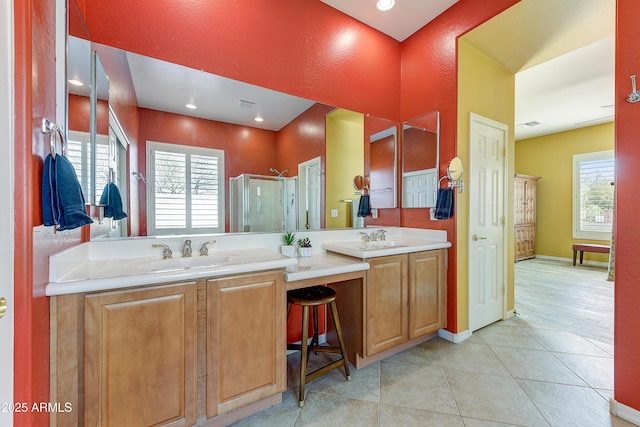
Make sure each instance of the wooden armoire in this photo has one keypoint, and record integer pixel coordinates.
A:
(525, 216)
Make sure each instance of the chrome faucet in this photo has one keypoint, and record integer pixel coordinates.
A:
(204, 249)
(380, 234)
(166, 252)
(186, 249)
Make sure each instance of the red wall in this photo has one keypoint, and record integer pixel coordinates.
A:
(246, 149)
(304, 139)
(300, 54)
(419, 149)
(301, 47)
(429, 83)
(79, 113)
(627, 284)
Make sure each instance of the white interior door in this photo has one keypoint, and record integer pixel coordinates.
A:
(309, 194)
(6, 215)
(487, 145)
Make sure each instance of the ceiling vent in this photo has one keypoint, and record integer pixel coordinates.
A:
(529, 124)
(245, 105)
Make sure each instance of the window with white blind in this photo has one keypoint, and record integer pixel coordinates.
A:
(79, 154)
(186, 189)
(593, 175)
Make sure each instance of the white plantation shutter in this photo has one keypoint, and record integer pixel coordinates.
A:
(79, 154)
(593, 174)
(186, 192)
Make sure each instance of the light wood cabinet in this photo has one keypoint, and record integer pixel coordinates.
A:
(140, 357)
(246, 346)
(207, 351)
(525, 216)
(405, 299)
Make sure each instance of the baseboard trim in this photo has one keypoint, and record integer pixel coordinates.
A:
(625, 412)
(585, 262)
(454, 338)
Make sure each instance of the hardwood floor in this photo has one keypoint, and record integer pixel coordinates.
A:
(578, 299)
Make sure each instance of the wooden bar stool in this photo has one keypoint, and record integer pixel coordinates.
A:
(313, 297)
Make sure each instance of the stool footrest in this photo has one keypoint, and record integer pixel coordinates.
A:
(318, 372)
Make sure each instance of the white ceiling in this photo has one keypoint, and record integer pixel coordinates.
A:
(562, 52)
(407, 17)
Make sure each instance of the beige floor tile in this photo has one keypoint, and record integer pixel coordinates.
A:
(364, 384)
(596, 371)
(476, 358)
(565, 405)
(509, 336)
(327, 410)
(565, 342)
(493, 398)
(472, 422)
(423, 354)
(282, 415)
(604, 346)
(536, 365)
(415, 386)
(396, 416)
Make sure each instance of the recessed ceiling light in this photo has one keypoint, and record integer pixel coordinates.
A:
(259, 119)
(384, 5)
(75, 82)
(191, 106)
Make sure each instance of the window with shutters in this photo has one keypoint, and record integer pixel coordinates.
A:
(186, 189)
(79, 154)
(593, 175)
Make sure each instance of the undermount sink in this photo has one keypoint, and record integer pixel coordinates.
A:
(185, 263)
(378, 244)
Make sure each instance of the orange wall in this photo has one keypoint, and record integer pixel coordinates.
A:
(627, 289)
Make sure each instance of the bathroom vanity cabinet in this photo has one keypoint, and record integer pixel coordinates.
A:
(405, 298)
(179, 354)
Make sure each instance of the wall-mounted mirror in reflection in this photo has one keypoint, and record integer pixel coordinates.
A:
(420, 159)
(382, 163)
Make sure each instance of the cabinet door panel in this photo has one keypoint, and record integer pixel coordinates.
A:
(386, 303)
(140, 358)
(427, 299)
(246, 345)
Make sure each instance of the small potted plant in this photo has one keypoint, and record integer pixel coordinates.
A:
(288, 247)
(304, 247)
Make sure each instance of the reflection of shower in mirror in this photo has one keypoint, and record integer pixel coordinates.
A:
(274, 170)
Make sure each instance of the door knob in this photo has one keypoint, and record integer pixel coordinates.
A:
(3, 306)
(476, 238)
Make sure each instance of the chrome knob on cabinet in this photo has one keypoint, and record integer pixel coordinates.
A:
(476, 238)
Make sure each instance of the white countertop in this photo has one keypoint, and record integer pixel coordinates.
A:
(364, 250)
(98, 275)
(321, 265)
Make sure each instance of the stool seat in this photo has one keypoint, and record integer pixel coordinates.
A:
(313, 297)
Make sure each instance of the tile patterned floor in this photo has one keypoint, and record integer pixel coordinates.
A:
(519, 372)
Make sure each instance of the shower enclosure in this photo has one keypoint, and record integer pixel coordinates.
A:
(262, 203)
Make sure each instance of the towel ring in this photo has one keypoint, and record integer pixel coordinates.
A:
(53, 130)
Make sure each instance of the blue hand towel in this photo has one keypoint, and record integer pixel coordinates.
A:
(364, 208)
(50, 207)
(444, 204)
(112, 202)
(62, 199)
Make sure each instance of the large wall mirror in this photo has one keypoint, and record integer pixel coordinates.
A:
(273, 173)
(420, 160)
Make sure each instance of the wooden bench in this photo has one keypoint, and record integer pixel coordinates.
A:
(588, 247)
